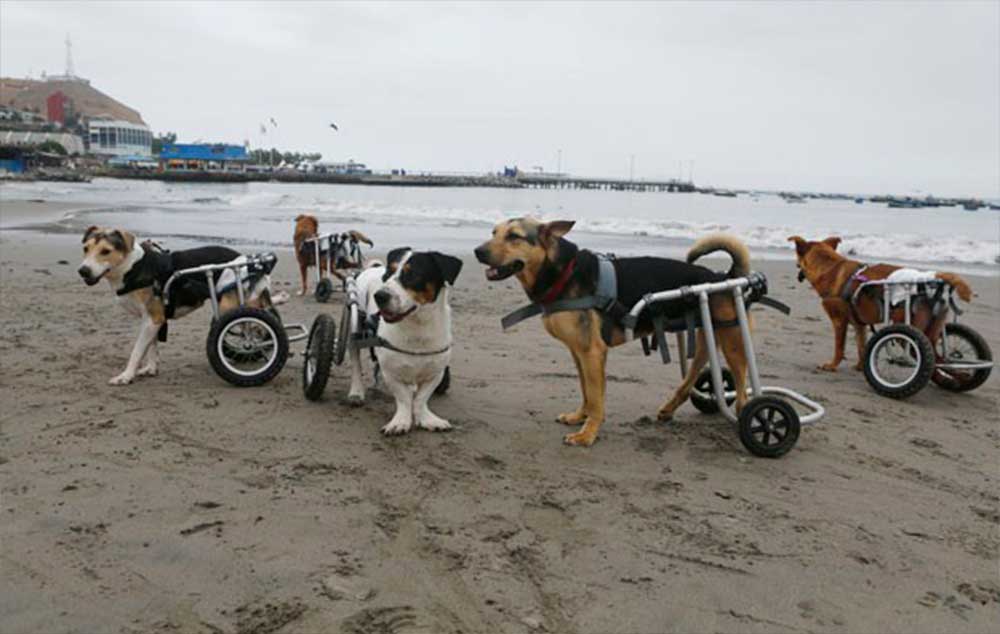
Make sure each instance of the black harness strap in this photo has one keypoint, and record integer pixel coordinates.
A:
(375, 341)
(604, 299)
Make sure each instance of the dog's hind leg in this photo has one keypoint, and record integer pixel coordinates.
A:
(422, 415)
(731, 342)
(666, 412)
(593, 361)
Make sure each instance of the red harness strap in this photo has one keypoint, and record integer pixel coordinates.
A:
(553, 293)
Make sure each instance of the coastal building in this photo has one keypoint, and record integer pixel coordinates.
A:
(204, 157)
(116, 137)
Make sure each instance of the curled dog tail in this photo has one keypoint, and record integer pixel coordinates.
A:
(961, 286)
(723, 242)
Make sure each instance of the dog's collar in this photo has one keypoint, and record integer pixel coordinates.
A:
(557, 288)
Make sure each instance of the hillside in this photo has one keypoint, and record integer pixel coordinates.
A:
(30, 94)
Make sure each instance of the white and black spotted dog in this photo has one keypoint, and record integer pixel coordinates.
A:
(410, 294)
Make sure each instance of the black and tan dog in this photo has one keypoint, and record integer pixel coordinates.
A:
(551, 268)
(137, 273)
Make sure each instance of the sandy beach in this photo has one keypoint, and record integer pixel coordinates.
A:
(182, 504)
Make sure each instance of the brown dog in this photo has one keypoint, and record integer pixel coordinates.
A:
(551, 268)
(307, 226)
(833, 277)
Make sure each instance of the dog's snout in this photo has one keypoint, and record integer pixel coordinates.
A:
(482, 253)
(382, 297)
(84, 272)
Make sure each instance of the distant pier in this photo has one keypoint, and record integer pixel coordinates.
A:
(519, 181)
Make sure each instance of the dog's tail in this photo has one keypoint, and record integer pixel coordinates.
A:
(723, 242)
(360, 237)
(961, 286)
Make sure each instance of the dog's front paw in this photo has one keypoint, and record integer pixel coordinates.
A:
(149, 370)
(122, 379)
(829, 367)
(355, 400)
(580, 439)
(572, 418)
(396, 426)
(434, 423)
(664, 415)
(301, 293)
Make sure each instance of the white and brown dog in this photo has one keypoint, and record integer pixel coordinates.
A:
(410, 294)
(137, 273)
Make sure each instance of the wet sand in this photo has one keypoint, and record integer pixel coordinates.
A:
(181, 504)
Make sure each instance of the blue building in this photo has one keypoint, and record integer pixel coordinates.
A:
(204, 156)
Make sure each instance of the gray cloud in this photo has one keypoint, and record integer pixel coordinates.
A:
(847, 96)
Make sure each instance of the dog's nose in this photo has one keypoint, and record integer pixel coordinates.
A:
(84, 272)
(482, 254)
(382, 298)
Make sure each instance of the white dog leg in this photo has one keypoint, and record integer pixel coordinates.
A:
(402, 420)
(423, 416)
(356, 395)
(147, 334)
(152, 361)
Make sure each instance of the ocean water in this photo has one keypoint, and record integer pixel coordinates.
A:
(260, 215)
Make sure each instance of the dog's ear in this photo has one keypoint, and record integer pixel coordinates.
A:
(91, 230)
(449, 265)
(833, 242)
(299, 217)
(552, 231)
(801, 246)
(122, 240)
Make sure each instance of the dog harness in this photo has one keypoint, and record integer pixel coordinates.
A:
(368, 339)
(604, 299)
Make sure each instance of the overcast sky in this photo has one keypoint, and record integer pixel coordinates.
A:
(874, 97)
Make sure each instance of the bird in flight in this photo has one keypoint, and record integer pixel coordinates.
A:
(334, 126)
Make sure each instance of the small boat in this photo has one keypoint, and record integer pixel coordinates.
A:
(859, 200)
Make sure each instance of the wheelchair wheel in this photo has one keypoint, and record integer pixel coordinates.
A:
(707, 404)
(899, 361)
(247, 346)
(769, 427)
(343, 335)
(445, 383)
(964, 345)
(318, 357)
(324, 289)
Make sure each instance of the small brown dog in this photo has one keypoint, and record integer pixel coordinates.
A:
(307, 226)
(834, 278)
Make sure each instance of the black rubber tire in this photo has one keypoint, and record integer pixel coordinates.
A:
(703, 383)
(925, 364)
(324, 290)
(266, 319)
(343, 336)
(319, 351)
(757, 414)
(445, 383)
(964, 381)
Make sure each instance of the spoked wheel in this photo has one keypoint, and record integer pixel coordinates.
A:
(899, 361)
(318, 357)
(703, 385)
(769, 427)
(343, 335)
(445, 382)
(247, 346)
(324, 289)
(960, 345)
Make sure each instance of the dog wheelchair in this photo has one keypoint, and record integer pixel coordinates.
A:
(900, 360)
(767, 425)
(246, 346)
(336, 247)
(328, 346)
